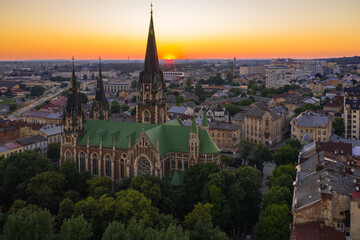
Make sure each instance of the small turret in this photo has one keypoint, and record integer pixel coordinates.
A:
(194, 143)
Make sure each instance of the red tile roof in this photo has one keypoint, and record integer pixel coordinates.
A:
(355, 195)
(12, 145)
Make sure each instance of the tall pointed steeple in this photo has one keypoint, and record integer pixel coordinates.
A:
(151, 64)
(100, 108)
(74, 119)
(100, 93)
(151, 106)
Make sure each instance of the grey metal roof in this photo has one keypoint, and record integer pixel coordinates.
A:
(311, 119)
(3, 149)
(254, 112)
(31, 140)
(239, 116)
(177, 109)
(50, 130)
(223, 126)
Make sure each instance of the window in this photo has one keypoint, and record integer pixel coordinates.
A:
(146, 116)
(143, 167)
(172, 164)
(108, 165)
(82, 161)
(68, 156)
(186, 164)
(95, 164)
(311, 131)
(179, 164)
(122, 168)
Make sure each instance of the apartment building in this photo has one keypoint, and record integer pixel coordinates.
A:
(318, 126)
(352, 112)
(225, 135)
(265, 126)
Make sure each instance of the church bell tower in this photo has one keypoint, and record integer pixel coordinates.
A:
(151, 105)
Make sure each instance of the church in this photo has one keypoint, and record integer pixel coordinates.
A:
(149, 146)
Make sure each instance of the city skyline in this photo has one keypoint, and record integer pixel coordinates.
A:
(185, 30)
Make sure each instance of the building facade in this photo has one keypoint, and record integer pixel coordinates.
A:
(318, 126)
(352, 112)
(148, 146)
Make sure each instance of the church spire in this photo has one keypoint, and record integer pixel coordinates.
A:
(73, 83)
(151, 58)
(100, 93)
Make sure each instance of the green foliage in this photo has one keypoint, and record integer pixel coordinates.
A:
(54, 152)
(75, 228)
(46, 190)
(37, 90)
(226, 160)
(339, 126)
(235, 91)
(232, 109)
(295, 143)
(246, 102)
(274, 223)
(245, 149)
(199, 89)
(16, 171)
(305, 107)
(27, 224)
(179, 99)
(288, 169)
(66, 210)
(99, 186)
(216, 80)
(188, 86)
(114, 231)
(133, 84)
(261, 154)
(124, 107)
(40, 106)
(133, 111)
(221, 209)
(115, 107)
(206, 231)
(285, 155)
(200, 214)
(277, 195)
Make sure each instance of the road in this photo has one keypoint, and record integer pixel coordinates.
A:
(33, 104)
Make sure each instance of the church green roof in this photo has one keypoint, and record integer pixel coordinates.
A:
(175, 180)
(172, 138)
(205, 122)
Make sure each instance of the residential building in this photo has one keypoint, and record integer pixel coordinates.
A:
(179, 111)
(9, 148)
(252, 70)
(278, 77)
(318, 126)
(226, 136)
(116, 87)
(352, 112)
(36, 143)
(265, 126)
(52, 133)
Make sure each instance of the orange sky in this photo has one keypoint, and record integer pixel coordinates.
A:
(116, 29)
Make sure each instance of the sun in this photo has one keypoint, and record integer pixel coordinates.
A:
(169, 57)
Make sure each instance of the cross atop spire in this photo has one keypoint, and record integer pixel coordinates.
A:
(151, 8)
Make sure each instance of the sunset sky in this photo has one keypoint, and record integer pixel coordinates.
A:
(116, 29)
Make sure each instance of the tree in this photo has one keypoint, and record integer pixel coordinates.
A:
(200, 214)
(245, 149)
(28, 224)
(226, 160)
(16, 171)
(261, 154)
(199, 89)
(114, 231)
(206, 231)
(46, 190)
(54, 152)
(188, 84)
(115, 107)
(37, 90)
(75, 228)
(221, 211)
(339, 126)
(245, 102)
(274, 223)
(232, 109)
(99, 186)
(66, 210)
(277, 195)
(295, 143)
(285, 155)
(83, 97)
(133, 84)
(13, 107)
(124, 107)
(179, 99)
